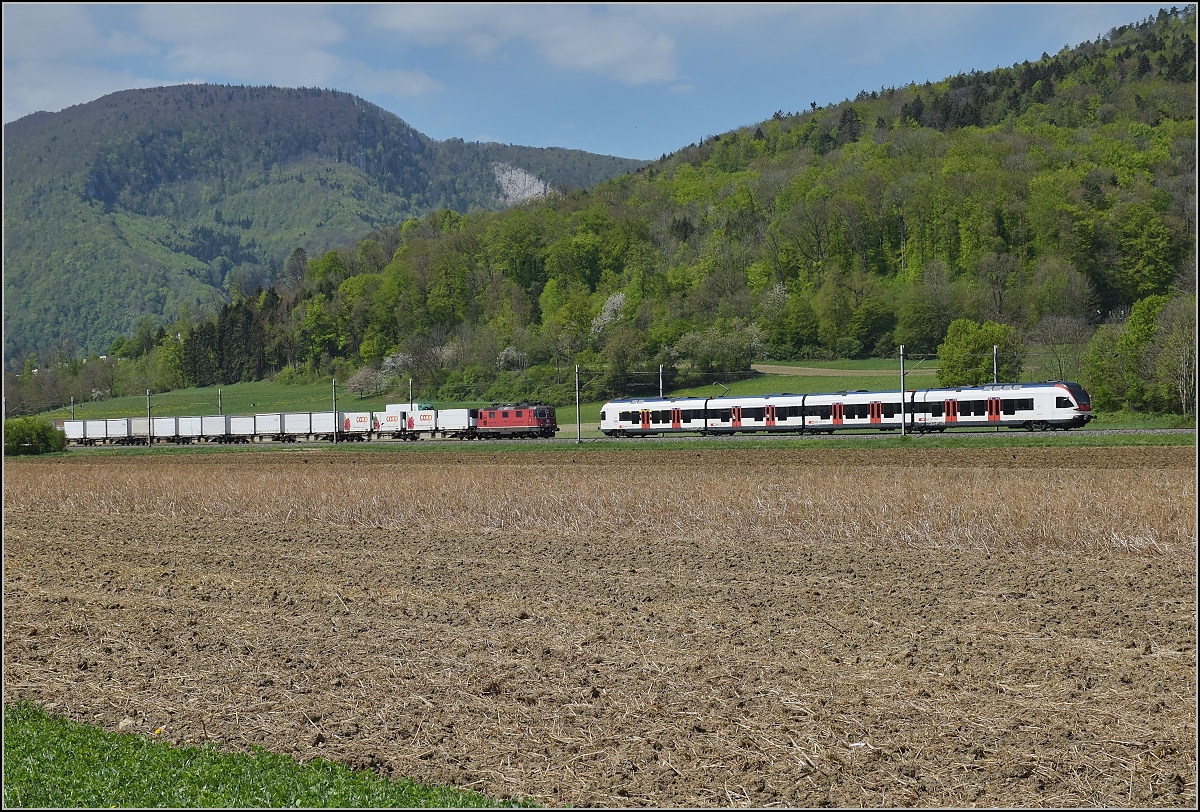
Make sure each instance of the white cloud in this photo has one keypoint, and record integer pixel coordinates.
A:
(612, 43)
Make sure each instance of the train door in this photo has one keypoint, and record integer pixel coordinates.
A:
(876, 412)
(993, 410)
(839, 414)
(770, 417)
(735, 418)
(951, 412)
(645, 420)
(676, 418)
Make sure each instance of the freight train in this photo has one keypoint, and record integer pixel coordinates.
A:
(398, 421)
(1051, 405)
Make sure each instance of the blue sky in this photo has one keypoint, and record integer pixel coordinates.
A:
(632, 80)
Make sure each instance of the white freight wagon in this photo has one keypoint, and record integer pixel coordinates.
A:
(390, 423)
(423, 422)
(215, 427)
(117, 429)
(324, 424)
(166, 429)
(190, 428)
(139, 429)
(297, 424)
(268, 425)
(241, 428)
(74, 429)
(96, 430)
(455, 422)
(357, 424)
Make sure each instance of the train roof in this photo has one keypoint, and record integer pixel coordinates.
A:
(717, 399)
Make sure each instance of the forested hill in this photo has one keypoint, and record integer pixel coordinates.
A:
(1048, 208)
(147, 202)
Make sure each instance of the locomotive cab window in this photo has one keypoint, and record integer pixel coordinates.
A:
(1063, 403)
(601, 415)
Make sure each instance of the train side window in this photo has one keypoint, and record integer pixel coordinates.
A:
(1009, 406)
(1062, 403)
(504, 414)
(491, 414)
(520, 413)
(1025, 404)
(890, 409)
(935, 410)
(825, 412)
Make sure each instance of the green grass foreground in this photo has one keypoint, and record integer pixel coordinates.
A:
(50, 762)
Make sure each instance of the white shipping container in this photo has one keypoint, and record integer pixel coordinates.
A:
(356, 422)
(166, 426)
(268, 424)
(241, 425)
(117, 427)
(390, 422)
(73, 429)
(297, 423)
(191, 427)
(139, 427)
(454, 419)
(324, 422)
(95, 429)
(424, 421)
(405, 408)
(215, 425)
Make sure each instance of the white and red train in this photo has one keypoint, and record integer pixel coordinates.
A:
(398, 421)
(1030, 406)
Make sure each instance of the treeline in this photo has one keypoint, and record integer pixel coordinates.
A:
(1053, 201)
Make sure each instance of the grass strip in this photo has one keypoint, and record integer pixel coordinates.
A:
(50, 762)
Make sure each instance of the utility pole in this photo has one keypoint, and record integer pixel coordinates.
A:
(219, 409)
(995, 365)
(660, 390)
(409, 395)
(578, 429)
(149, 422)
(902, 392)
(335, 419)
(72, 407)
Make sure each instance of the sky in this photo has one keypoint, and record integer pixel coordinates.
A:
(637, 80)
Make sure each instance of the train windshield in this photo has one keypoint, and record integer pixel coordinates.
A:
(1079, 393)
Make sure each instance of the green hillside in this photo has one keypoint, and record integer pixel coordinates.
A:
(162, 202)
(1047, 209)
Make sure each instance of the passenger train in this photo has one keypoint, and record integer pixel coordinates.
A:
(1031, 406)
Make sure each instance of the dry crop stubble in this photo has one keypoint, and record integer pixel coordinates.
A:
(679, 628)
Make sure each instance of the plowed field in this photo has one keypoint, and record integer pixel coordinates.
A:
(660, 628)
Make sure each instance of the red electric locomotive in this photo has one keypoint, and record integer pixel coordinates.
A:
(515, 420)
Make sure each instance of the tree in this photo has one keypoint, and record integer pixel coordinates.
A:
(965, 357)
(1174, 351)
(1062, 341)
(367, 379)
